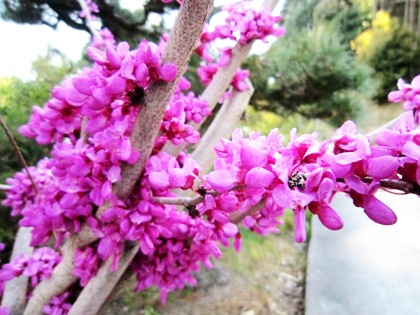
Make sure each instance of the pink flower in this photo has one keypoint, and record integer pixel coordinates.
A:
(221, 180)
(258, 177)
(377, 211)
(58, 305)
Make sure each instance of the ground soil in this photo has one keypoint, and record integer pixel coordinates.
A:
(266, 278)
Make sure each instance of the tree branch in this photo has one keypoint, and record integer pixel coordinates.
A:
(371, 135)
(181, 201)
(14, 296)
(222, 126)
(182, 40)
(100, 287)
(4, 187)
(407, 187)
(18, 152)
(221, 80)
(184, 35)
(88, 18)
(62, 277)
(224, 76)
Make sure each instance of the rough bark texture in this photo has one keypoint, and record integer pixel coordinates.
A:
(183, 38)
(62, 277)
(99, 288)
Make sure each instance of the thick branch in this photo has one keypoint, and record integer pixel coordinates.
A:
(222, 126)
(62, 277)
(221, 80)
(14, 296)
(184, 35)
(182, 40)
(100, 287)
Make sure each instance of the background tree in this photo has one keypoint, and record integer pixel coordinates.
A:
(124, 24)
(312, 71)
(390, 47)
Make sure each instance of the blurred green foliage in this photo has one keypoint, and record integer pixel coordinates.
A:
(398, 57)
(391, 49)
(312, 71)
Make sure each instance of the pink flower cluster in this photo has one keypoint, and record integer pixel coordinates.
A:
(37, 267)
(58, 305)
(86, 264)
(409, 94)
(243, 24)
(92, 9)
(182, 110)
(106, 94)
(90, 118)
(306, 174)
(81, 172)
(172, 242)
(86, 157)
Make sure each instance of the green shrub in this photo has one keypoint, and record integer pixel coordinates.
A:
(311, 73)
(398, 58)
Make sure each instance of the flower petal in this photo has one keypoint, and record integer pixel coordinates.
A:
(379, 212)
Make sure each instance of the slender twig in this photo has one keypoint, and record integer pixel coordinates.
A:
(83, 133)
(181, 201)
(398, 184)
(238, 216)
(4, 187)
(407, 187)
(387, 125)
(18, 152)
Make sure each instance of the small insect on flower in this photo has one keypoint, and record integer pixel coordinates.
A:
(136, 96)
(192, 211)
(298, 179)
(202, 191)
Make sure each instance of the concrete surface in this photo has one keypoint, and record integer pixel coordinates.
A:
(366, 268)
